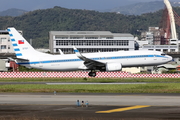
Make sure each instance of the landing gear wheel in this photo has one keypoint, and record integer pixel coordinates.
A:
(92, 74)
(155, 68)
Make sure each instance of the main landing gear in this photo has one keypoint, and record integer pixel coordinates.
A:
(92, 74)
(155, 68)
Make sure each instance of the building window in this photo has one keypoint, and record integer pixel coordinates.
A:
(158, 49)
(92, 42)
(165, 50)
(89, 50)
(57, 50)
(172, 50)
(3, 46)
(3, 39)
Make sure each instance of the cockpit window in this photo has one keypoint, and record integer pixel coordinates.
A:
(163, 54)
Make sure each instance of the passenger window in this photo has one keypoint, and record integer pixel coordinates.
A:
(163, 54)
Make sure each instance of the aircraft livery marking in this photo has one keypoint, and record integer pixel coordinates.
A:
(15, 45)
(17, 49)
(105, 58)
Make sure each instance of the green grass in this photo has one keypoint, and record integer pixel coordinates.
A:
(99, 80)
(172, 85)
(137, 88)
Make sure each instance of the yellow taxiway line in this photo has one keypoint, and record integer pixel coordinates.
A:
(124, 109)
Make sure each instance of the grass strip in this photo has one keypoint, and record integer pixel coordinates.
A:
(98, 80)
(137, 88)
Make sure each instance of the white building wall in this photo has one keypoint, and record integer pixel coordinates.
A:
(5, 44)
(89, 41)
(163, 48)
(150, 37)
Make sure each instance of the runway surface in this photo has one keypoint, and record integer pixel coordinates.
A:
(101, 106)
(94, 99)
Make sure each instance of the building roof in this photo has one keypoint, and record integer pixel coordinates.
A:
(4, 32)
(107, 33)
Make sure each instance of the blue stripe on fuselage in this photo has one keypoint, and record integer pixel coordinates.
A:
(13, 40)
(15, 45)
(17, 49)
(99, 58)
(18, 54)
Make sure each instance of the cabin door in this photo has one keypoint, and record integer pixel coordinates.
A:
(40, 63)
(154, 57)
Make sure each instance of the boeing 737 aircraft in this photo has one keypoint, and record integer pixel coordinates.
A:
(103, 61)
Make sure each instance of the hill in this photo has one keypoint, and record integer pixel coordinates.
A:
(37, 24)
(13, 12)
(133, 9)
(142, 7)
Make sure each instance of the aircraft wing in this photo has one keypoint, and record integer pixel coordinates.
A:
(89, 63)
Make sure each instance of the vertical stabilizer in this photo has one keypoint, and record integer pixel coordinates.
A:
(21, 47)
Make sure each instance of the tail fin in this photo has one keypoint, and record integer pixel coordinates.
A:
(22, 48)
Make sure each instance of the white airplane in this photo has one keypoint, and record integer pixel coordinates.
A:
(103, 61)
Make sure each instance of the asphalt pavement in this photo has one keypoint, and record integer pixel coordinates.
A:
(50, 106)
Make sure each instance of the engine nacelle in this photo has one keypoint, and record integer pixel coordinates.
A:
(113, 67)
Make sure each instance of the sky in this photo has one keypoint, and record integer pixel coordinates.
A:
(31, 5)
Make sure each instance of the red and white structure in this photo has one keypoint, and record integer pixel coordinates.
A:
(172, 20)
(81, 74)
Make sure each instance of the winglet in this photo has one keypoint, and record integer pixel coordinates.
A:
(75, 49)
(77, 52)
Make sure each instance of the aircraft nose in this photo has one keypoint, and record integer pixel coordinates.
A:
(170, 58)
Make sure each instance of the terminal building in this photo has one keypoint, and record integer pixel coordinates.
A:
(90, 41)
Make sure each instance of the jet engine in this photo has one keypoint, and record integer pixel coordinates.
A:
(113, 67)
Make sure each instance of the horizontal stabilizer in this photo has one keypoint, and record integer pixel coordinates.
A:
(22, 59)
(11, 59)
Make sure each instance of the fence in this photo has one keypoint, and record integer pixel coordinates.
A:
(82, 75)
